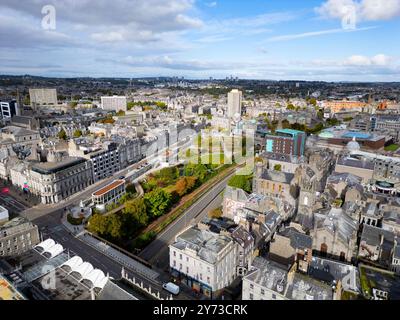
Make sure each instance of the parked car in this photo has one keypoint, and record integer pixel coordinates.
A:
(171, 288)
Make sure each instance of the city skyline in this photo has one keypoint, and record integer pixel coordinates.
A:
(285, 40)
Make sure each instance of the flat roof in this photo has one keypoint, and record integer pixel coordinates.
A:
(109, 187)
(67, 287)
(289, 131)
(53, 167)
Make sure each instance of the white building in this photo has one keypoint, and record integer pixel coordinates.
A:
(234, 103)
(203, 260)
(109, 194)
(3, 215)
(115, 103)
(55, 181)
(43, 96)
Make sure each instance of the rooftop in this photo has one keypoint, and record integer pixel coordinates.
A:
(66, 287)
(15, 225)
(109, 187)
(53, 167)
(306, 288)
(17, 131)
(277, 176)
(207, 244)
(268, 274)
(289, 131)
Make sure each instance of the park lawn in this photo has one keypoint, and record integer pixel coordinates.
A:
(393, 147)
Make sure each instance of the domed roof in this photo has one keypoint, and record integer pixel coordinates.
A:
(353, 145)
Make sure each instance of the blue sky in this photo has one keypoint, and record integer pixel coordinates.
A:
(256, 39)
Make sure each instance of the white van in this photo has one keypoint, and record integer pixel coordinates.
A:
(172, 288)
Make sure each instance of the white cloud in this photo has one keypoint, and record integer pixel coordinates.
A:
(112, 21)
(359, 60)
(211, 4)
(364, 10)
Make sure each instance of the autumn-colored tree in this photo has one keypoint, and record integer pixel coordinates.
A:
(184, 185)
(216, 213)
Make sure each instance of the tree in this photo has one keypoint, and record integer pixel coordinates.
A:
(313, 102)
(97, 224)
(278, 167)
(290, 106)
(130, 188)
(184, 185)
(197, 170)
(78, 133)
(168, 175)
(241, 182)
(114, 226)
(136, 210)
(73, 104)
(285, 124)
(120, 113)
(216, 213)
(157, 202)
(62, 135)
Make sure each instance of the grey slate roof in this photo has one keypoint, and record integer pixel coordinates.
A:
(268, 274)
(283, 177)
(372, 235)
(207, 244)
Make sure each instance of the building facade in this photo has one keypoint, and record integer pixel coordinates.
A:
(234, 103)
(17, 236)
(203, 260)
(111, 193)
(55, 181)
(9, 109)
(43, 96)
(115, 103)
(287, 142)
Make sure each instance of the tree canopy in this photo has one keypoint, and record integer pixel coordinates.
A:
(241, 182)
(157, 202)
(78, 133)
(62, 135)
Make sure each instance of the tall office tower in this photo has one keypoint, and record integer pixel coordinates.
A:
(115, 103)
(234, 103)
(9, 109)
(43, 96)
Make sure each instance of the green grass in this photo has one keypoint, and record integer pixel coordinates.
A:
(392, 147)
(365, 283)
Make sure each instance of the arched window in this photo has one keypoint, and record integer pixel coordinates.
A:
(324, 249)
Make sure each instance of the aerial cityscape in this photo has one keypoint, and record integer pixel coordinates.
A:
(188, 150)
